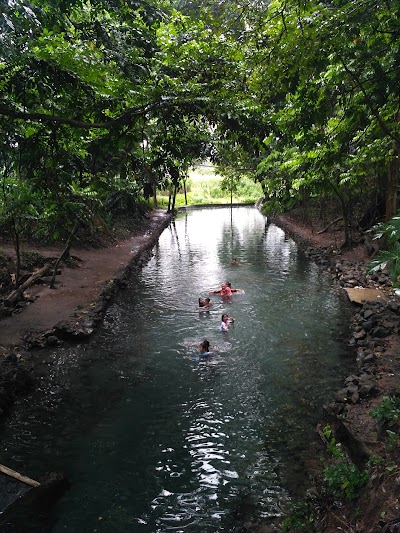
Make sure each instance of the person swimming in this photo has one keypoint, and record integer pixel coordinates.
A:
(226, 321)
(204, 304)
(229, 284)
(204, 349)
(225, 290)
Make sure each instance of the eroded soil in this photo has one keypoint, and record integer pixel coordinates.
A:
(79, 285)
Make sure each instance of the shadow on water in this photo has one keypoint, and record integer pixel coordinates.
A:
(153, 439)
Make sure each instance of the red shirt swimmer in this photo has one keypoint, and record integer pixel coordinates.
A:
(225, 290)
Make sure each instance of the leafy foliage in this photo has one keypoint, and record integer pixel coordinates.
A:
(342, 478)
(345, 479)
(388, 411)
(113, 96)
(389, 258)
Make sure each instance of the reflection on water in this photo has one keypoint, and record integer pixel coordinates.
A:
(153, 439)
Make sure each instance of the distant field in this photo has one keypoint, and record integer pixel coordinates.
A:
(204, 186)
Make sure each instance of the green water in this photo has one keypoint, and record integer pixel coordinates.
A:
(152, 439)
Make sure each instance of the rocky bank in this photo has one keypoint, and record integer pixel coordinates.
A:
(368, 443)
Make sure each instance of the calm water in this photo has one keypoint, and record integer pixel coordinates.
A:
(154, 440)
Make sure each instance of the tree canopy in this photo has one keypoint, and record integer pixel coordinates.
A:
(108, 99)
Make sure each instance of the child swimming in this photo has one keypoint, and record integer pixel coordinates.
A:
(226, 321)
(204, 348)
(204, 304)
(225, 290)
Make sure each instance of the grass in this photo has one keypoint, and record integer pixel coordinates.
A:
(204, 186)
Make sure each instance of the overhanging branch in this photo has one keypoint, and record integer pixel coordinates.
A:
(125, 118)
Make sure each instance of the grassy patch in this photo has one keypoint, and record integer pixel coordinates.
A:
(204, 187)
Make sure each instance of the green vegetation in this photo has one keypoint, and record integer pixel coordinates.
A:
(203, 186)
(389, 258)
(344, 479)
(341, 480)
(104, 103)
(341, 477)
(388, 412)
(301, 517)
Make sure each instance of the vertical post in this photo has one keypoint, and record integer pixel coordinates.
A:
(184, 190)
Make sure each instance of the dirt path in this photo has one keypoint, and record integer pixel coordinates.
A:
(78, 289)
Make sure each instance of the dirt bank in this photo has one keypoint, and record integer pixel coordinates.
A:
(72, 310)
(365, 440)
(81, 290)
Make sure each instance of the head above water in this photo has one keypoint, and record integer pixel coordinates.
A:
(204, 346)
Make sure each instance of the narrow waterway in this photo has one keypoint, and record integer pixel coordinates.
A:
(151, 438)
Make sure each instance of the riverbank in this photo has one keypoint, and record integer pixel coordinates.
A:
(71, 311)
(368, 447)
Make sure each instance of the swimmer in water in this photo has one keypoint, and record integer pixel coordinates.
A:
(225, 290)
(204, 349)
(234, 261)
(226, 321)
(204, 304)
(229, 284)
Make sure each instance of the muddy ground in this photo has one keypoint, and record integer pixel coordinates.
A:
(85, 287)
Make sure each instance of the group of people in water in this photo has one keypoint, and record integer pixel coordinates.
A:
(225, 291)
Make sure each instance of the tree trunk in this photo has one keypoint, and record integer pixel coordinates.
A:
(392, 184)
(64, 254)
(174, 198)
(17, 295)
(347, 237)
(184, 190)
(17, 255)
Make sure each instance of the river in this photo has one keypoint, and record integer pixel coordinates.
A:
(154, 440)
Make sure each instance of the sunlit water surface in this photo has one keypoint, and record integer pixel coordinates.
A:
(152, 439)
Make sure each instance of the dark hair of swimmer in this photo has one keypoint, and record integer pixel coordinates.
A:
(205, 345)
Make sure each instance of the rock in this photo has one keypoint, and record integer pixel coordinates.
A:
(358, 450)
(355, 397)
(360, 335)
(367, 389)
(368, 325)
(52, 340)
(380, 332)
(341, 396)
(369, 358)
(352, 379)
